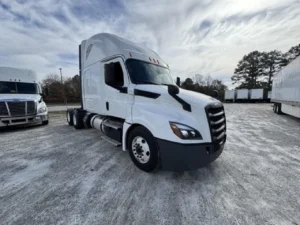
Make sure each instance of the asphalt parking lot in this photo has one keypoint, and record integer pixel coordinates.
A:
(57, 175)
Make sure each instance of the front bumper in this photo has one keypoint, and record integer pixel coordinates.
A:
(22, 120)
(183, 157)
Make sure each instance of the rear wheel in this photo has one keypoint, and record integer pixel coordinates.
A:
(69, 115)
(77, 119)
(45, 122)
(275, 108)
(87, 120)
(143, 149)
(279, 108)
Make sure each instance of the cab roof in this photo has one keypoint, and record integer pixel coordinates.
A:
(18, 75)
(104, 46)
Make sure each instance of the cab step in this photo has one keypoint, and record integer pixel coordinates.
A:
(112, 141)
(117, 125)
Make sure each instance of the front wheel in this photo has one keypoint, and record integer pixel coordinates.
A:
(143, 149)
(45, 122)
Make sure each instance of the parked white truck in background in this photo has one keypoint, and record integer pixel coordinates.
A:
(230, 95)
(242, 95)
(129, 95)
(286, 89)
(20, 98)
(245, 95)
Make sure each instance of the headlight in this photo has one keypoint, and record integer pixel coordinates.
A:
(42, 109)
(185, 132)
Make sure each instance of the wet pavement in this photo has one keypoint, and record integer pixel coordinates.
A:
(58, 175)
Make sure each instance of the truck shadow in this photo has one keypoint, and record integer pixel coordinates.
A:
(18, 128)
(202, 174)
(292, 118)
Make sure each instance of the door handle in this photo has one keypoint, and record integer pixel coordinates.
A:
(107, 106)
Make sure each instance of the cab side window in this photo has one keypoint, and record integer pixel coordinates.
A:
(113, 74)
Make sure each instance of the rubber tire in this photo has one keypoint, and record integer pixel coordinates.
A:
(279, 112)
(87, 120)
(153, 162)
(79, 119)
(46, 122)
(70, 112)
(275, 108)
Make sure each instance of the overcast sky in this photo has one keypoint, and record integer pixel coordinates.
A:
(193, 36)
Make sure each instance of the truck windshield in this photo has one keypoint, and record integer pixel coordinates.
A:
(18, 88)
(146, 73)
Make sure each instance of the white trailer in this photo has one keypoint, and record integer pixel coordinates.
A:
(242, 95)
(269, 95)
(230, 95)
(258, 95)
(129, 95)
(286, 89)
(21, 100)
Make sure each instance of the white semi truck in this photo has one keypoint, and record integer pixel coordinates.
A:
(286, 89)
(129, 95)
(21, 100)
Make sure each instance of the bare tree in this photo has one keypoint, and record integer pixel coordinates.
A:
(55, 88)
(199, 79)
(208, 80)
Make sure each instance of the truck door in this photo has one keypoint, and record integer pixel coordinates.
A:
(116, 81)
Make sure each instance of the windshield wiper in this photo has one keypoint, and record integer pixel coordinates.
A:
(166, 84)
(149, 82)
(146, 82)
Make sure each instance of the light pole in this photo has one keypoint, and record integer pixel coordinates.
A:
(63, 88)
(61, 80)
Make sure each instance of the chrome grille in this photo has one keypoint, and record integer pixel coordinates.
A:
(10, 109)
(3, 109)
(217, 123)
(16, 108)
(30, 107)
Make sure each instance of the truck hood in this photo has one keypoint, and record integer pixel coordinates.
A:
(191, 97)
(19, 97)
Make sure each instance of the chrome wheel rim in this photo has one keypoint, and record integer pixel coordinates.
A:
(68, 117)
(74, 120)
(140, 149)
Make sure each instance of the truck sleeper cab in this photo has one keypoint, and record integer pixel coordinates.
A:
(129, 95)
(20, 98)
